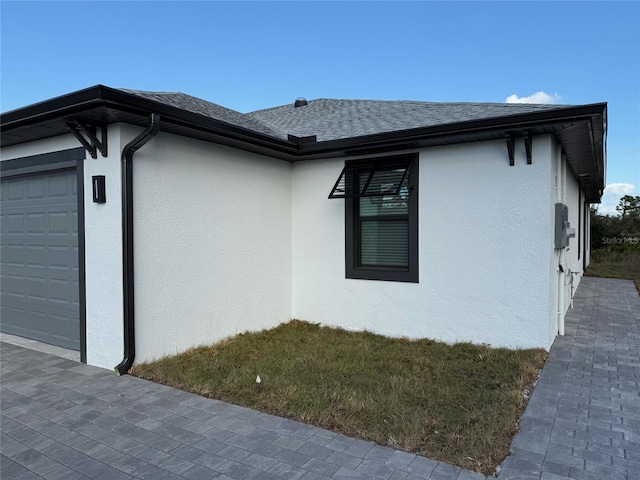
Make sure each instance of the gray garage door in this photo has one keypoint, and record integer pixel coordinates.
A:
(39, 258)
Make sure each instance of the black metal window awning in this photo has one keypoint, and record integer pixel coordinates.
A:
(377, 179)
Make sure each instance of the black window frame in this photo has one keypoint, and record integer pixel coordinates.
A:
(352, 226)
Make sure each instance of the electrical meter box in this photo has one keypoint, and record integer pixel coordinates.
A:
(563, 230)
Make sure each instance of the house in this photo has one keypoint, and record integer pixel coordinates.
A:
(138, 224)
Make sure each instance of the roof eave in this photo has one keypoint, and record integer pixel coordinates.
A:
(51, 109)
(73, 105)
(177, 120)
(506, 123)
(496, 128)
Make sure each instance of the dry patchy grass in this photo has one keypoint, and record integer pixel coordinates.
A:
(455, 403)
(615, 264)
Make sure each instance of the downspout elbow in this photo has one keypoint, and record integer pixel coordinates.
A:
(127, 241)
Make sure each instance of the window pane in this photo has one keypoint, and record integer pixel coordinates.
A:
(388, 204)
(384, 242)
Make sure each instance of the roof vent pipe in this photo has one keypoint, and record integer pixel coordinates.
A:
(300, 102)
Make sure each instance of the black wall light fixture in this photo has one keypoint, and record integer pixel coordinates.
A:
(99, 189)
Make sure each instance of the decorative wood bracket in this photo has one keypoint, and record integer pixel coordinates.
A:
(527, 146)
(87, 136)
(511, 148)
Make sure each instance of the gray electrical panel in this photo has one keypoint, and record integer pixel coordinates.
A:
(563, 230)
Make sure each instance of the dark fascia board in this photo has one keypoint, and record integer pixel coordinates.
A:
(101, 96)
(48, 109)
(505, 123)
(74, 103)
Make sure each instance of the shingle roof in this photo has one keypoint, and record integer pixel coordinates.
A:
(208, 109)
(335, 119)
(331, 119)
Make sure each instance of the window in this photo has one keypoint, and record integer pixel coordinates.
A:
(381, 212)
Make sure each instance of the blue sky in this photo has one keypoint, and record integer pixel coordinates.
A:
(248, 56)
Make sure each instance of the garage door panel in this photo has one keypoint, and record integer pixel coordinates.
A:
(36, 188)
(41, 283)
(35, 255)
(40, 287)
(59, 223)
(35, 304)
(59, 326)
(60, 187)
(15, 224)
(60, 291)
(14, 255)
(38, 323)
(36, 223)
(14, 285)
(15, 191)
(20, 324)
(63, 331)
(37, 288)
(60, 256)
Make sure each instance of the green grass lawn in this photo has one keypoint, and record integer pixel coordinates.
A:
(456, 403)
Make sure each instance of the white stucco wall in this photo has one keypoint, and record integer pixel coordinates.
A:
(212, 243)
(484, 249)
(103, 256)
(573, 254)
(562, 285)
(227, 241)
(556, 278)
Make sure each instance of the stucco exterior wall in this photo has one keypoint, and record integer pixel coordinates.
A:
(212, 243)
(103, 256)
(555, 196)
(483, 250)
(563, 283)
(573, 253)
(227, 241)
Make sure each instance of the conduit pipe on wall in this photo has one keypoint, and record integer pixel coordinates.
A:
(127, 241)
(560, 197)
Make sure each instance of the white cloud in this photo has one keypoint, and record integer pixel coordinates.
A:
(612, 195)
(538, 97)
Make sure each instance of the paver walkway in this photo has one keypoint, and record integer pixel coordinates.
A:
(63, 420)
(583, 419)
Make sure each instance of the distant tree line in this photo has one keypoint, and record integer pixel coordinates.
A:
(617, 232)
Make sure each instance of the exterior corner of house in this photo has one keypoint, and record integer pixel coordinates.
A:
(103, 257)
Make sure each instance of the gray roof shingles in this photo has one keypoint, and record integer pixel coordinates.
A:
(331, 119)
(207, 109)
(335, 119)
